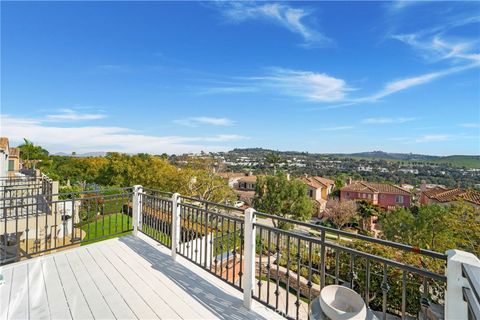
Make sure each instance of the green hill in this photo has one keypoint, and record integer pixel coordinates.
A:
(461, 161)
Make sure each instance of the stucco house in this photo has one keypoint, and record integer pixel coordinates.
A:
(318, 189)
(247, 183)
(386, 196)
(9, 158)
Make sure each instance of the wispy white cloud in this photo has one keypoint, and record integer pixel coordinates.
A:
(338, 128)
(291, 18)
(385, 120)
(196, 121)
(435, 138)
(227, 90)
(73, 115)
(436, 48)
(107, 138)
(406, 83)
(309, 85)
(470, 125)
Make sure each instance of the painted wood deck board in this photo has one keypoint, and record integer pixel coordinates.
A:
(123, 278)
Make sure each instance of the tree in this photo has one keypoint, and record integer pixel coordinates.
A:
(340, 212)
(434, 227)
(273, 159)
(277, 195)
(366, 210)
(30, 152)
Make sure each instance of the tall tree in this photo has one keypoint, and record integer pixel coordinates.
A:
(31, 154)
(273, 159)
(366, 210)
(277, 195)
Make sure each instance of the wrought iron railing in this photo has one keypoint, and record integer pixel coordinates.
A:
(290, 266)
(293, 265)
(29, 227)
(301, 264)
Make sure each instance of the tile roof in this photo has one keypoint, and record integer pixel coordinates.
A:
(248, 179)
(317, 182)
(227, 175)
(372, 187)
(4, 143)
(472, 196)
(14, 152)
(448, 195)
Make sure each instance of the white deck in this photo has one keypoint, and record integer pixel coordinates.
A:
(123, 278)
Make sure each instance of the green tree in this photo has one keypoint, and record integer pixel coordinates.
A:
(366, 210)
(273, 159)
(31, 154)
(430, 227)
(279, 196)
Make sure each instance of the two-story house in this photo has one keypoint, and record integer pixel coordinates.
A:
(318, 189)
(386, 196)
(9, 158)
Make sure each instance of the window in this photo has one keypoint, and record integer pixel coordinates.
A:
(310, 192)
(399, 199)
(11, 165)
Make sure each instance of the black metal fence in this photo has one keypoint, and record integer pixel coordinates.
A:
(294, 265)
(212, 237)
(156, 215)
(30, 227)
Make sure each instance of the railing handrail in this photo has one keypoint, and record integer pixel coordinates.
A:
(226, 206)
(99, 192)
(396, 245)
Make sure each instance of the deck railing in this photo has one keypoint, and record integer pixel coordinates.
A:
(290, 267)
(34, 224)
(282, 269)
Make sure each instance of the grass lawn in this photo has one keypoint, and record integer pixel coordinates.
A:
(107, 227)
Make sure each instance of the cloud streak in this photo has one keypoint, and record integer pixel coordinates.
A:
(338, 128)
(108, 138)
(312, 86)
(72, 115)
(284, 15)
(385, 120)
(196, 121)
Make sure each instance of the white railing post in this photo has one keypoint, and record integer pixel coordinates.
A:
(175, 224)
(249, 258)
(137, 208)
(455, 306)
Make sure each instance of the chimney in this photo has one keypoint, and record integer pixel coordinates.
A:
(306, 175)
(288, 176)
(423, 186)
(349, 181)
(250, 173)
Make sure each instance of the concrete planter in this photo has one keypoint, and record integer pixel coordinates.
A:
(341, 303)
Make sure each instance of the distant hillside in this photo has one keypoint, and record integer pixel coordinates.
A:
(81, 155)
(454, 160)
(392, 156)
(461, 161)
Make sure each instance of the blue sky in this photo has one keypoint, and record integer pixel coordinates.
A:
(188, 76)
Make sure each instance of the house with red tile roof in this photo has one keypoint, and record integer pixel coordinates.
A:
(386, 196)
(318, 189)
(445, 196)
(9, 158)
